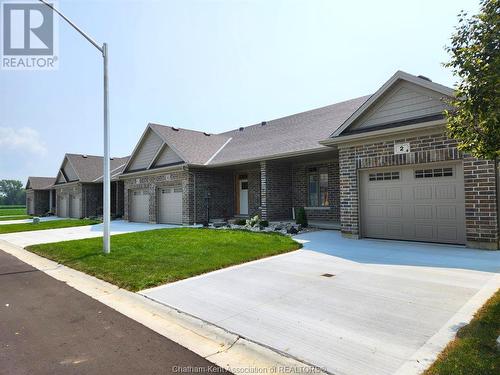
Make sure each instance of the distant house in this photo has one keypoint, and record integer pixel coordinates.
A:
(40, 195)
(378, 166)
(79, 188)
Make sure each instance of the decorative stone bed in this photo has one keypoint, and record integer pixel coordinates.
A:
(284, 227)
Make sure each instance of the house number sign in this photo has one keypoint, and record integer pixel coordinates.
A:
(401, 148)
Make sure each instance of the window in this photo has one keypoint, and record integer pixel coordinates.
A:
(436, 172)
(317, 187)
(383, 176)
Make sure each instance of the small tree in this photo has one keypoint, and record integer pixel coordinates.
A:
(12, 192)
(475, 60)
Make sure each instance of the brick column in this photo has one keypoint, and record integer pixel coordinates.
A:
(481, 213)
(349, 200)
(263, 190)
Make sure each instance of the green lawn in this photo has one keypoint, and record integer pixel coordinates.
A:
(12, 211)
(12, 206)
(55, 224)
(17, 217)
(146, 259)
(473, 352)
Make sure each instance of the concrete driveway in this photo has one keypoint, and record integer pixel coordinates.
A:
(24, 239)
(387, 306)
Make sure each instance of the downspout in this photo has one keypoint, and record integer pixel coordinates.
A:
(194, 193)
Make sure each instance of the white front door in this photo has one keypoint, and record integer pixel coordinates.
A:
(243, 197)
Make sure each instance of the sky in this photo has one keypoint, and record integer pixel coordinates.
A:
(211, 66)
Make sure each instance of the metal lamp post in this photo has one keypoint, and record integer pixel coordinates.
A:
(106, 173)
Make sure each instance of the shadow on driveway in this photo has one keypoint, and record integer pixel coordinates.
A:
(400, 252)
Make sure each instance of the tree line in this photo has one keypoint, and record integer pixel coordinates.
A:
(12, 192)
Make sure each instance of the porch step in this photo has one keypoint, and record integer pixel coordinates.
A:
(332, 225)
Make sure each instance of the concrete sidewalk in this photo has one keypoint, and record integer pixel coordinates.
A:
(24, 239)
(47, 327)
(24, 221)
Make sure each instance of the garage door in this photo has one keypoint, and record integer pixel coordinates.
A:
(63, 206)
(419, 203)
(30, 206)
(170, 205)
(75, 207)
(139, 206)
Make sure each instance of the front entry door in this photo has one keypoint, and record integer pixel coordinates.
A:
(243, 197)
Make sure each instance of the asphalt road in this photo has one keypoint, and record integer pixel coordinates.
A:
(47, 327)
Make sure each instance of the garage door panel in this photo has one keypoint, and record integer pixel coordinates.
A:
(424, 231)
(415, 203)
(394, 194)
(448, 233)
(394, 212)
(376, 211)
(447, 191)
(422, 192)
(139, 206)
(376, 194)
(446, 212)
(423, 212)
(170, 205)
(394, 230)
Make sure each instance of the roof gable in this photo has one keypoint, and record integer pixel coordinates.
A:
(166, 156)
(147, 148)
(69, 171)
(60, 179)
(402, 98)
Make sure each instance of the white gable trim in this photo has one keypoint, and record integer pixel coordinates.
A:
(399, 75)
(158, 153)
(217, 152)
(60, 173)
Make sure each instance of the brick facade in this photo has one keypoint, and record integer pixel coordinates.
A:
(152, 183)
(479, 180)
(300, 190)
(40, 200)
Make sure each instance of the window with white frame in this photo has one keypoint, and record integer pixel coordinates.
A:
(317, 187)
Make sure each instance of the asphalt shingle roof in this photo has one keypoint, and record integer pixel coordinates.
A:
(89, 167)
(295, 133)
(40, 183)
(194, 147)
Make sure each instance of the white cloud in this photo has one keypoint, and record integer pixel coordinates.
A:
(22, 139)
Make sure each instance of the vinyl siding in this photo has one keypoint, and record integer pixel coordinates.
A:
(405, 101)
(70, 172)
(167, 156)
(146, 152)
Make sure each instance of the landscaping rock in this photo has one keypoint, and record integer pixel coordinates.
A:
(292, 230)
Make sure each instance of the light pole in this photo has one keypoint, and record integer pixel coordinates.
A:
(106, 173)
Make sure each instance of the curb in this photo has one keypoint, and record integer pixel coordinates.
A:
(227, 350)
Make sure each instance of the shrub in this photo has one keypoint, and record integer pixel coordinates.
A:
(240, 222)
(301, 217)
(253, 221)
(264, 223)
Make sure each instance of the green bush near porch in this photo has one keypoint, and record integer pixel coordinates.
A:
(146, 259)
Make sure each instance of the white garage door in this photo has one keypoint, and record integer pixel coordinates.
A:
(75, 207)
(139, 206)
(419, 203)
(63, 206)
(170, 205)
